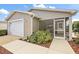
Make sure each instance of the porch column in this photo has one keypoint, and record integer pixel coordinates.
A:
(70, 28)
(64, 29)
(54, 27)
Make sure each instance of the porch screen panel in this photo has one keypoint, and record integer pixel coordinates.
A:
(47, 25)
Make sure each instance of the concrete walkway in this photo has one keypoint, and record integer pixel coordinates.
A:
(60, 46)
(7, 39)
(22, 47)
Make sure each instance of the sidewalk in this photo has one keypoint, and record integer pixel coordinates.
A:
(60, 46)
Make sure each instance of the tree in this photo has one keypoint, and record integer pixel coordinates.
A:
(75, 26)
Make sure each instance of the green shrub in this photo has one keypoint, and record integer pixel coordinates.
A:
(3, 32)
(40, 37)
(76, 41)
(73, 40)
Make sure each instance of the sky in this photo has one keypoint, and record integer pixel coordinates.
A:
(6, 8)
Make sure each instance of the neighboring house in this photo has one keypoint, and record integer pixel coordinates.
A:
(58, 22)
(3, 25)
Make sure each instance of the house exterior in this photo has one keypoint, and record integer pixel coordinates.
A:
(57, 22)
(3, 25)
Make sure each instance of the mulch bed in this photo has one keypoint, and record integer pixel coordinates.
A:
(4, 51)
(47, 45)
(74, 46)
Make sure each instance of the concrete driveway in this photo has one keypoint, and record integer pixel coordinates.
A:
(8, 38)
(22, 47)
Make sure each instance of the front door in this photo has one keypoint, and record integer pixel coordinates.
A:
(59, 28)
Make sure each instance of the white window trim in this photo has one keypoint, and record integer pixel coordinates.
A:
(16, 20)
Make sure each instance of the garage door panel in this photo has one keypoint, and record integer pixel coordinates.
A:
(17, 28)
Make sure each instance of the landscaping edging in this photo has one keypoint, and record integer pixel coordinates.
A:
(4, 51)
(47, 45)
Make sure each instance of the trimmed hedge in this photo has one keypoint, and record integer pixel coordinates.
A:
(3, 32)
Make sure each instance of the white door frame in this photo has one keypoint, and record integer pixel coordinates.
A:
(59, 30)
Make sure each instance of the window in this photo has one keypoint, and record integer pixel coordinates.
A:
(60, 25)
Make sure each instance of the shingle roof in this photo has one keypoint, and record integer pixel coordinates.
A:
(72, 12)
(12, 12)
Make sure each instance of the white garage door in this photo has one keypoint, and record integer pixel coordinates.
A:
(17, 28)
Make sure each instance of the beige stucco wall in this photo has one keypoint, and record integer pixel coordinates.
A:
(3, 25)
(49, 15)
(28, 25)
(27, 21)
(35, 24)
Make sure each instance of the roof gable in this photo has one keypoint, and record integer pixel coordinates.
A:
(13, 12)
